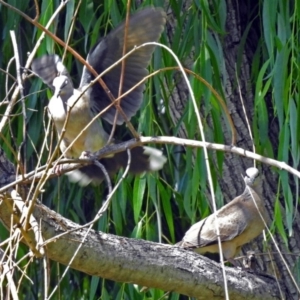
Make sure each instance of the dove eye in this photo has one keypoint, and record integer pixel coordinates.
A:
(64, 83)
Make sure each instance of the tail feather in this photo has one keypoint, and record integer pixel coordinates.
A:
(143, 159)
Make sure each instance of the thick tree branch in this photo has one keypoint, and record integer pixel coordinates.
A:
(144, 263)
(131, 260)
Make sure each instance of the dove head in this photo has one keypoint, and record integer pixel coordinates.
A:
(63, 87)
(251, 177)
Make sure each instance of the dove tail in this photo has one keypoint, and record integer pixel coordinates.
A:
(143, 159)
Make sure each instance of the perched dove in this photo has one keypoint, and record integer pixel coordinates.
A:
(144, 26)
(239, 222)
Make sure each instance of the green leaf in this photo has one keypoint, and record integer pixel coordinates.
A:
(69, 17)
(279, 221)
(294, 122)
(138, 196)
(167, 208)
(95, 282)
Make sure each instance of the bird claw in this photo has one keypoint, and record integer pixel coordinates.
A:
(85, 155)
(57, 170)
(250, 262)
(234, 263)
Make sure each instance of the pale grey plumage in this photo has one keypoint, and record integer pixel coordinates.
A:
(239, 222)
(144, 26)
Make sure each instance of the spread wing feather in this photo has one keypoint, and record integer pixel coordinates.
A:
(144, 26)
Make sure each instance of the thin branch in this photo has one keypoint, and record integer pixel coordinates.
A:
(111, 149)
